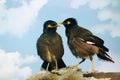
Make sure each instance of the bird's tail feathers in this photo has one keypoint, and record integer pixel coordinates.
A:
(61, 64)
(99, 42)
(52, 65)
(105, 48)
(104, 56)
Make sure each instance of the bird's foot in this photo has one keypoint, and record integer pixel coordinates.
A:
(47, 70)
(91, 72)
(70, 66)
(55, 72)
(75, 66)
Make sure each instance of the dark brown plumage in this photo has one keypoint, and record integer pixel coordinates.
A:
(83, 43)
(50, 47)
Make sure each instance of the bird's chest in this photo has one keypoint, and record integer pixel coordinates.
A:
(52, 39)
(70, 34)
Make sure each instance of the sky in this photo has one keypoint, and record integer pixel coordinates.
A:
(21, 23)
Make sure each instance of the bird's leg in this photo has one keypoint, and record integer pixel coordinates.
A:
(56, 65)
(93, 70)
(92, 63)
(82, 61)
(76, 66)
(47, 67)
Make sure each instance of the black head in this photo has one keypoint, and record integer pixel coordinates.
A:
(50, 26)
(69, 22)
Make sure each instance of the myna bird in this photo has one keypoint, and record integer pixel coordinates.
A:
(83, 43)
(50, 47)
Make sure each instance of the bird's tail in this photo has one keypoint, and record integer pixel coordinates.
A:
(52, 65)
(104, 56)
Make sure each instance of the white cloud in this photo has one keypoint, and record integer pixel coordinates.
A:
(77, 3)
(104, 15)
(110, 67)
(112, 18)
(93, 4)
(98, 4)
(2, 1)
(113, 29)
(11, 65)
(108, 14)
(17, 20)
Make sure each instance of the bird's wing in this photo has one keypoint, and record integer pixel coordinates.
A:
(42, 46)
(46, 44)
(52, 45)
(56, 46)
(87, 36)
(80, 48)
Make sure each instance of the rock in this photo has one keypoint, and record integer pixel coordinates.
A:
(111, 75)
(62, 74)
(74, 74)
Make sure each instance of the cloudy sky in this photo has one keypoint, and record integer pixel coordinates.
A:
(21, 23)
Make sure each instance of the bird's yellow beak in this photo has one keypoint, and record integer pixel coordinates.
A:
(59, 24)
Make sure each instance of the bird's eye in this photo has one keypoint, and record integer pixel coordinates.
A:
(68, 22)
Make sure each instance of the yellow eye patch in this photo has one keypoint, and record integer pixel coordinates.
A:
(50, 26)
(68, 22)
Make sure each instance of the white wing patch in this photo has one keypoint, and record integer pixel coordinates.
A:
(88, 42)
(82, 39)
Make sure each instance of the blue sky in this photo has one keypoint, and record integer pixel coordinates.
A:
(21, 23)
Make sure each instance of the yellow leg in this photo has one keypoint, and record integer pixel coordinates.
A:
(92, 63)
(76, 66)
(47, 67)
(56, 67)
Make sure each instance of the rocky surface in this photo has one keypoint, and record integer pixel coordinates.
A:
(111, 75)
(74, 74)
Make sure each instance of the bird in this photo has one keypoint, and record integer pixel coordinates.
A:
(50, 47)
(84, 44)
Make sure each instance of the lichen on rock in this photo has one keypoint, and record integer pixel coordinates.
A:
(62, 74)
